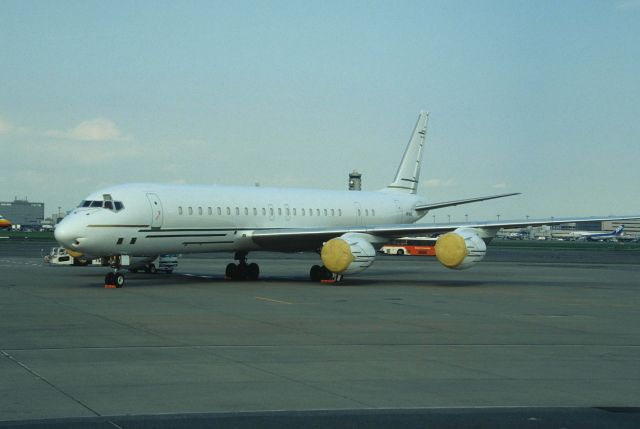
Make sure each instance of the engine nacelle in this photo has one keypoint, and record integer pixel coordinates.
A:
(348, 254)
(460, 249)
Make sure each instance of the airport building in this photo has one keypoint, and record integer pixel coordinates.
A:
(23, 212)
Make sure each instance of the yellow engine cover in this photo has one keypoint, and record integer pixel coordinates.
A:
(451, 250)
(336, 255)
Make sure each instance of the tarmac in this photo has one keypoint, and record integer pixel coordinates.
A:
(526, 338)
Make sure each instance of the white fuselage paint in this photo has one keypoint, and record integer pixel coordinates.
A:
(159, 219)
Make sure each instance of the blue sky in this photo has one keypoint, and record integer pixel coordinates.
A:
(533, 97)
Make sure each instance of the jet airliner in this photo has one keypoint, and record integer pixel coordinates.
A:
(344, 227)
(4, 223)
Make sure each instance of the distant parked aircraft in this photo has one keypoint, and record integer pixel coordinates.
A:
(607, 236)
(4, 223)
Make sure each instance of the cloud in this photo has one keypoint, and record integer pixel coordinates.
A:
(96, 130)
(439, 183)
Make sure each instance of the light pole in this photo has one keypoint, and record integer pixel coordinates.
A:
(449, 216)
(498, 217)
(434, 218)
(466, 218)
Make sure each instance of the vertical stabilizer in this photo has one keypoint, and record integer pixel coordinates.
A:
(408, 174)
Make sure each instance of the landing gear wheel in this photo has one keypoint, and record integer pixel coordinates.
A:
(152, 269)
(318, 273)
(231, 272)
(252, 271)
(110, 279)
(400, 252)
(119, 280)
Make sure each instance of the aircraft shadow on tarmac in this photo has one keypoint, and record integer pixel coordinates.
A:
(177, 279)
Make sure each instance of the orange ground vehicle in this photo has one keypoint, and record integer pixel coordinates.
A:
(423, 246)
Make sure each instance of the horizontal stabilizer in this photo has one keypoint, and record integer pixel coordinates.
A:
(459, 202)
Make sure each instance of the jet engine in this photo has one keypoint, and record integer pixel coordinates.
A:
(460, 249)
(348, 254)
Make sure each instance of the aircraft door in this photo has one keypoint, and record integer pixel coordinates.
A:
(358, 213)
(156, 210)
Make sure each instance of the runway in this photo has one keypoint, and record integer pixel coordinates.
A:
(520, 329)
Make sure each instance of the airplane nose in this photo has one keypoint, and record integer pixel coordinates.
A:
(66, 233)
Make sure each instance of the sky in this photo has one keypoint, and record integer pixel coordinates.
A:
(539, 97)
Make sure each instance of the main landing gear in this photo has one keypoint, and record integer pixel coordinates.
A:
(242, 270)
(322, 274)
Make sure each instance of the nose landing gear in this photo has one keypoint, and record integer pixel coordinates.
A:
(114, 279)
(242, 270)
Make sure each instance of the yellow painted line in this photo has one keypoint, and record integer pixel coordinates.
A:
(272, 300)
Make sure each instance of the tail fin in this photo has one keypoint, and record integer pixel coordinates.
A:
(619, 230)
(408, 174)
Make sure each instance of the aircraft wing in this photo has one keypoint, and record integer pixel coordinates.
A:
(432, 206)
(300, 239)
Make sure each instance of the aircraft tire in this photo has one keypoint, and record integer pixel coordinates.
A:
(110, 279)
(319, 273)
(231, 272)
(119, 280)
(315, 273)
(400, 252)
(252, 271)
(152, 269)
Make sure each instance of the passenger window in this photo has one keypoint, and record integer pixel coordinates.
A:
(219, 211)
(279, 211)
(325, 212)
(333, 212)
(228, 211)
(180, 210)
(200, 211)
(264, 211)
(366, 212)
(255, 211)
(359, 212)
(246, 211)
(310, 212)
(339, 212)
(209, 211)
(318, 212)
(237, 211)
(288, 212)
(373, 212)
(271, 211)
(294, 212)
(190, 211)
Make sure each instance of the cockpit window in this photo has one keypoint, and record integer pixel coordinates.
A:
(110, 205)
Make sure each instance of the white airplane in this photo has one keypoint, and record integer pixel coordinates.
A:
(615, 234)
(345, 227)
